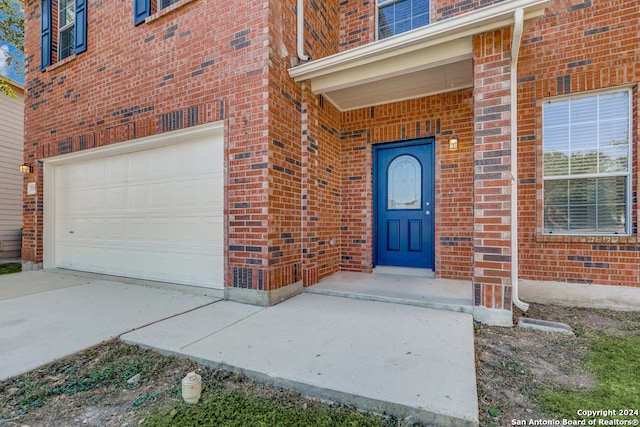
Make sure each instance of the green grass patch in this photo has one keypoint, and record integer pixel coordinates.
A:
(10, 268)
(71, 378)
(233, 408)
(615, 363)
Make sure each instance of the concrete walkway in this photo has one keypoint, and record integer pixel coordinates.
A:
(412, 362)
(406, 360)
(48, 315)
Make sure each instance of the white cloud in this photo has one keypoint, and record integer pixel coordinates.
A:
(4, 70)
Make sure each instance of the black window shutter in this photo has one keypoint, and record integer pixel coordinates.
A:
(141, 9)
(45, 35)
(80, 42)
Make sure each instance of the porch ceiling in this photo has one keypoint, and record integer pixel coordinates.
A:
(426, 61)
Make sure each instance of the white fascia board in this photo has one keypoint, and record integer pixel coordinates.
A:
(442, 54)
(468, 24)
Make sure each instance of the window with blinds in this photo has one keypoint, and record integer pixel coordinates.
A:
(587, 164)
(399, 16)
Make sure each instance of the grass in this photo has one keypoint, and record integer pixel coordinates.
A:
(98, 377)
(614, 362)
(10, 268)
(71, 378)
(234, 408)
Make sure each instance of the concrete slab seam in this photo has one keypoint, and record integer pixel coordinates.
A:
(165, 318)
(221, 329)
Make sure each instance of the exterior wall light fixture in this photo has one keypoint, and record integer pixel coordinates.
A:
(25, 168)
(453, 144)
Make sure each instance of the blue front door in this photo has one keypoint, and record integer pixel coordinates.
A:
(404, 204)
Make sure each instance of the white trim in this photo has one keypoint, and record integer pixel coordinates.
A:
(153, 141)
(149, 142)
(66, 27)
(442, 54)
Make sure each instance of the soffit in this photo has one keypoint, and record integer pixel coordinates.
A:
(426, 61)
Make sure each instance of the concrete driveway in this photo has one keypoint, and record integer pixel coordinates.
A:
(46, 315)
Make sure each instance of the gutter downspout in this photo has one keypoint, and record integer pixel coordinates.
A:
(300, 35)
(518, 24)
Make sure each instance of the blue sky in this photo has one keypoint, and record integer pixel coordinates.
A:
(4, 71)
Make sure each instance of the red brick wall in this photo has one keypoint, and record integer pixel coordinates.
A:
(322, 195)
(492, 175)
(444, 9)
(197, 64)
(357, 23)
(579, 46)
(440, 116)
(303, 188)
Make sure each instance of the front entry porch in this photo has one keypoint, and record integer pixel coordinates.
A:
(442, 294)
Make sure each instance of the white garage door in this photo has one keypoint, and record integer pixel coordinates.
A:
(154, 214)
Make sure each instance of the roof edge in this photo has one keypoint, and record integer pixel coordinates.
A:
(481, 20)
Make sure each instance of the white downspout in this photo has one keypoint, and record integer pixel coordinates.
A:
(300, 10)
(518, 24)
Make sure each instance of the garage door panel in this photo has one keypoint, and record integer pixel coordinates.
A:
(138, 166)
(116, 169)
(162, 195)
(137, 196)
(96, 173)
(116, 229)
(160, 230)
(96, 200)
(155, 214)
(117, 259)
(136, 230)
(116, 199)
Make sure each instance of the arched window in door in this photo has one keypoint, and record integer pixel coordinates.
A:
(404, 183)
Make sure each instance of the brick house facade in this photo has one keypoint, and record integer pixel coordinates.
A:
(302, 141)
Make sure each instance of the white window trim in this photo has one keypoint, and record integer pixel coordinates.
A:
(160, 7)
(628, 174)
(66, 27)
(387, 3)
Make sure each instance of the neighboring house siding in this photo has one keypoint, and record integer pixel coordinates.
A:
(11, 149)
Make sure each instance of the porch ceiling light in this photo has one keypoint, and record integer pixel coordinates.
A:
(25, 168)
(453, 144)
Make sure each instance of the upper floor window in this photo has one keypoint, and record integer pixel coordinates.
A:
(146, 8)
(66, 24)
(398, 16)
(587, 164)
(167, 3)
(63, 30)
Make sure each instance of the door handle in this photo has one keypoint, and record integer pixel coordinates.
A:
(427, 212)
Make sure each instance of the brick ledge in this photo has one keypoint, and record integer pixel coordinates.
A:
(614, 240)
(166, 11)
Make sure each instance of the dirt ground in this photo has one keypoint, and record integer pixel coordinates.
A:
(512, 365)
